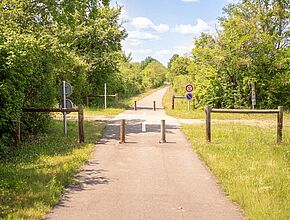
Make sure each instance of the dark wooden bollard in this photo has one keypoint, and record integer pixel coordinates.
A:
(279, 124)
(135, 105)
(122, 131)
(173, 97)
(208, 123)
(81, 124)
(154, 105)
(163, 132)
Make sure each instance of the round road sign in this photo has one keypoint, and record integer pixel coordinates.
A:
(68, 103)
(68, 89)
(188, 88)
(189, 96)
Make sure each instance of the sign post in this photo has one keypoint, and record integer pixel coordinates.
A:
(105, 95)
(253, 95)
(189, 96)
(65, 90)
(64, 106)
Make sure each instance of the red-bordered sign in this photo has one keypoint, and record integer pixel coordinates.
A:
(189, 88)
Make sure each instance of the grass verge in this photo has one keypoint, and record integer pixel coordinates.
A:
(181, 111)
(33, 182)
(248, 164)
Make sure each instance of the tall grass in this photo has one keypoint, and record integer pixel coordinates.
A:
(33, 181)
(249, 165)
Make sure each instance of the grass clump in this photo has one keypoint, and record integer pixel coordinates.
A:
(32, 182)
(249, 165)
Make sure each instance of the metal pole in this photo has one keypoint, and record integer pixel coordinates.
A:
(188, 105)
(105, 95)
(64, 106)
(122, 131)
(163, 132)
(154, 105)
(253, 95)
(208, 124)
(280, 125)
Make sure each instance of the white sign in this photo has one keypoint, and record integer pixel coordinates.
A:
(189, 88)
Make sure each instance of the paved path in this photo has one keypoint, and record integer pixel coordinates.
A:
(143, 179)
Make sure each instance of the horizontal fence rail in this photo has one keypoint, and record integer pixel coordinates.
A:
(116, 96)
(279, 112)
(176, 97)
(79, 110)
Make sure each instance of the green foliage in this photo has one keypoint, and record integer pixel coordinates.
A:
(45, 42)
(252, 47)
(174, 56)
(145, 62)
(154, 74)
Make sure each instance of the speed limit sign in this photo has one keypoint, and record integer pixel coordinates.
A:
(188, 88)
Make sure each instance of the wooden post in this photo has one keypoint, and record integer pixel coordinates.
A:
(135, 105)
(163, 132)
(280, 124)
(17, 131)
(122, 131)
(154, 105)
(87, 99)
(81, 124)
(173, 102)
(208, 123)
(116, 98)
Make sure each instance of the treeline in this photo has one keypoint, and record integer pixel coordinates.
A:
(43, 43)
(251, 47)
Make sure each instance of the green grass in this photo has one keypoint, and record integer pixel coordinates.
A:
(181, 111)
(249, 165)
(33, 182)
(252, 169)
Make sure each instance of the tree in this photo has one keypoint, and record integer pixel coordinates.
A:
(145, 62)
(174, 57)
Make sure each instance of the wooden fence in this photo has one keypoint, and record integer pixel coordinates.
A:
(176, 97)
(79, 110)
(279, 112)
(101, 96)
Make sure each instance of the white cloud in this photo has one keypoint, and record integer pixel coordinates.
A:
(141, 35)
(144, 51)
(201, 26)
(162, 52)
(146, 23)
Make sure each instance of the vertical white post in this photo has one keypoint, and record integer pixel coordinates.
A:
(64, 106)
(188, 105)
(253, 95)
(105, 95)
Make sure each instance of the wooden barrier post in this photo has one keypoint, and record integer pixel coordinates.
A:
(280, 124)
(135, 105)
(172, 107)
(116, 98)
(87, 99)
(154, 105)
(81, 123)
(163, 132)
(208, 123)
(122, 131)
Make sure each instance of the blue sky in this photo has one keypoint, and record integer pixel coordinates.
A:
(160, 28)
